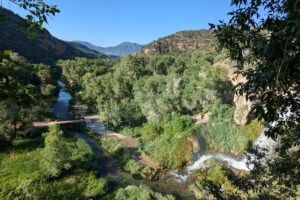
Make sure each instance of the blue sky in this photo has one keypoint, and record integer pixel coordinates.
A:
(110, 22)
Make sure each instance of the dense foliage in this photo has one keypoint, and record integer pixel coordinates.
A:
(59, 155)
(156, 98)
(27, 91)
(140, 193)
(135, 89)
(263, 37)
(53, 168)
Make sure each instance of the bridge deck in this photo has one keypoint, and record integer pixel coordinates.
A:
(94, 122)
(62, 122)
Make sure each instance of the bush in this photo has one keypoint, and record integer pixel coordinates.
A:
(223, 135)
(213, 175)
(150, 173)
(132, 132)
(140, 193)
(81, 152)
(138, 170)
(166, 141)
(132, 167)
(55, 157)
(61, 154)
(116, 149)
(95, 187)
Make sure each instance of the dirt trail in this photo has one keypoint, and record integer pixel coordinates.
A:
(129, 142)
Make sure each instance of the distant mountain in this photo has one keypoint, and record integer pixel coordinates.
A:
(179, 42)
(43, 48)
(86, 50)
(120, 50)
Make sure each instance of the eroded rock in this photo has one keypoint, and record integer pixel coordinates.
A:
(242, 105)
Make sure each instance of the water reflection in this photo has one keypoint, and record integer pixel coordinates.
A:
(61, 105)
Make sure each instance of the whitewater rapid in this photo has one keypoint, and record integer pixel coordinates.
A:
(262, 142)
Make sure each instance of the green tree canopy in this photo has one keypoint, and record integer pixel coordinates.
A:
(263, 37)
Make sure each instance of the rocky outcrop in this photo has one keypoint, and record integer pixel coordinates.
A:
(242, 109)
(242, 105)
(194, 143)
(201, 118)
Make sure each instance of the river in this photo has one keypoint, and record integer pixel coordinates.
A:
(109, 167)
(61, 105)
(169, 182)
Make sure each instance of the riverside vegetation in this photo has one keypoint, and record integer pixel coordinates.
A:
(157, 96)
(153, 98)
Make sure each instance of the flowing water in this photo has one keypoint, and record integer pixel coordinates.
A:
(262, 142)
(168, 181)
(109, 167)
(61, 105)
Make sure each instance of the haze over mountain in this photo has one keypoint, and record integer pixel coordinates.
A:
(43, 48)
(120, 50)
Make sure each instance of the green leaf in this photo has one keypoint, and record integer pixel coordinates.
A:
(212, 26)
(2, 17)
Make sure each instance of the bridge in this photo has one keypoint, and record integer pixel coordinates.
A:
(86, 119)
(94, 122)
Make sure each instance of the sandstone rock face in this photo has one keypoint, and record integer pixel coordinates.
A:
(195, 144)
(242, 109)
(242, 105)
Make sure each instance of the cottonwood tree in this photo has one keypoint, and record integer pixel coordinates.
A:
(263, 37)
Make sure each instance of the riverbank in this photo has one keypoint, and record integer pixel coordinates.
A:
(110, 167)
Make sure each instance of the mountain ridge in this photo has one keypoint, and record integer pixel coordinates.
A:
(179, 42)
(43, 48)
(122, 49)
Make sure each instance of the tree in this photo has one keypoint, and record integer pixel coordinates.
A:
(26, 92)
(262, 36)
(61, 154)
(19, 89)
(55, 155)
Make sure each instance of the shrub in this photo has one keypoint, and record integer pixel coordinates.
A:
(55, 157)
(132, 132)
(138, 170)
(150, 173)
(95, 187)
(216, 175)
(61, 154)
(81, 152)
(116, 149)
(132, 167)
(140, 193)
(111, 145)
(166, 141)
(222, 134)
